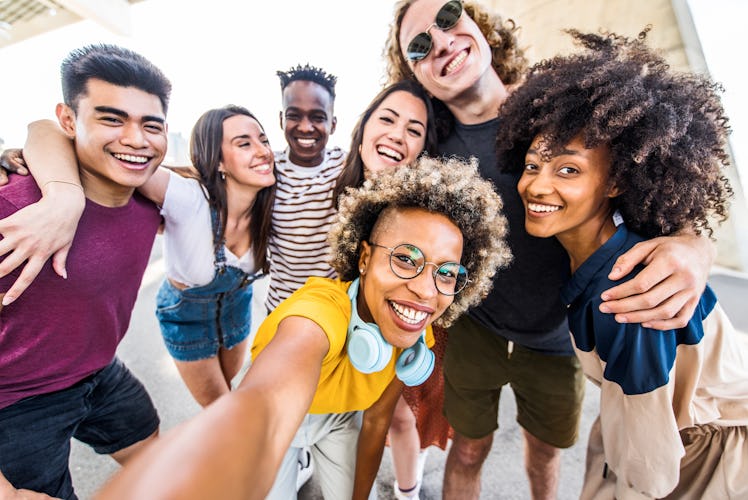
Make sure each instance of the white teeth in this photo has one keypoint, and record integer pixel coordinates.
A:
(306, 142)
(456, 62)
(384, 150)
(130, 158)
(265, 167)
(409, 315)
(537, 207)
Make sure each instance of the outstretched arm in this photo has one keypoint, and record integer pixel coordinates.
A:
(665, 293)
(376, 422)
(47, 227)
(233, 448)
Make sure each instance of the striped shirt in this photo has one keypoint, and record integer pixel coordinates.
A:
(302, 217)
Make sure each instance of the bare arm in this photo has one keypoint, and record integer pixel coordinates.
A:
(45, 228)
(234, 447)
(376, 422)
(665, 293)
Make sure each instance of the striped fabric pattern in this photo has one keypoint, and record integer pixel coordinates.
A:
(302, 216)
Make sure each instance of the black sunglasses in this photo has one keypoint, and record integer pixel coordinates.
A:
(446, 18)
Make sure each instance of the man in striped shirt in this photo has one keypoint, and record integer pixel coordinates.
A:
(306, 174)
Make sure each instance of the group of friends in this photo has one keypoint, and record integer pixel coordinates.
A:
(482, 211)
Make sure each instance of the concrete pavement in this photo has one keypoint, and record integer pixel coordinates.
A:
(503, 474)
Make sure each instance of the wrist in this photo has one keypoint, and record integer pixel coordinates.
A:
(64, 194)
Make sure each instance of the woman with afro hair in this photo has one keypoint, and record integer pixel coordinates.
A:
(613, 149)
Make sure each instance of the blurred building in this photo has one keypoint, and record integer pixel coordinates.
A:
(673, 32)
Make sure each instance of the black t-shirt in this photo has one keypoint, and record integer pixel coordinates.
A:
(524, 305)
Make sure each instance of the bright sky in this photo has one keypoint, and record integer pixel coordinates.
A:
(720, 24)
(224, 52)
(228, 52)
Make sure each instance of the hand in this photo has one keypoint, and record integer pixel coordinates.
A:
(38, 231)
(665, 293)
(8, 492)
(11, 161)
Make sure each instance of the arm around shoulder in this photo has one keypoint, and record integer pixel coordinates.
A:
(45, 228)
(665, 293)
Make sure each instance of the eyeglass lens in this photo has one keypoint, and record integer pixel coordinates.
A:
(446, 18)
(408, 261)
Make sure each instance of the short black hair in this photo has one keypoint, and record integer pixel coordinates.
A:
(112, 64)
(308, 73)
(666, 130)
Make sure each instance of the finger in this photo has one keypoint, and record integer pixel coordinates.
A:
(30, 271)
(679, 320)
(12, 261)
(3, 178)
(649, 280)
(665, 311)
(8, 244)
(14, 164)
(638, 254)
(59, 260)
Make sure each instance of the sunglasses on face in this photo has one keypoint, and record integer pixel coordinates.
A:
(446, 18)
(407, 261)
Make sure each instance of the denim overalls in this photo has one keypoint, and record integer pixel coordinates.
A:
(196, 321)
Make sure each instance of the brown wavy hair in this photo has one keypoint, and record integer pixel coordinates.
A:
(206, 155)
(667, 131)
(353, 172)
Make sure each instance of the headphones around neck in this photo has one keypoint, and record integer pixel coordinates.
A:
(369, 352)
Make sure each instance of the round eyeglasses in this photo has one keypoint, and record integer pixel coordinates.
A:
(407, 261)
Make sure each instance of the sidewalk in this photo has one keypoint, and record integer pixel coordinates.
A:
(503, 474)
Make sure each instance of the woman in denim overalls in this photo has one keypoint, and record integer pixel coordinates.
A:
(216, 226)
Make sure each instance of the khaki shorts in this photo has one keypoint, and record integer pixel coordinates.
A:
(548, 389)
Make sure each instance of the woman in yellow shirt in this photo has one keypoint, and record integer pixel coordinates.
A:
(412, 247)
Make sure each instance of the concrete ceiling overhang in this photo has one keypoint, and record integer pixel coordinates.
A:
(23, 19)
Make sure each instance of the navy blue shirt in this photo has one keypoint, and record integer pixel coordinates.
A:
(638, 359)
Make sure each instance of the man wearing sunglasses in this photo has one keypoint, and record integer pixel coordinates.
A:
(468, 59)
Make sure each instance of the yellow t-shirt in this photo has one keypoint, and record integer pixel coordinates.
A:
(341, 387)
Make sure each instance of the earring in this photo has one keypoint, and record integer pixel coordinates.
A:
(223, 175)
(361, 270)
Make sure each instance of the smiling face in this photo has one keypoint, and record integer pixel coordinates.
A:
(247, 158)
(120, 139)
(402, 308)
(568, 196)
(307, 121)
(395, 133)
(459, 58)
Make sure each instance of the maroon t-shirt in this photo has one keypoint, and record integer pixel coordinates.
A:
(60, 331)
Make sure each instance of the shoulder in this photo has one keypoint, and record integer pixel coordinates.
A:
(335, 156)
(18, 193)
(322, 300)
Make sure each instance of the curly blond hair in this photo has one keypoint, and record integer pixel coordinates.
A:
(450, 187)
(508, 58)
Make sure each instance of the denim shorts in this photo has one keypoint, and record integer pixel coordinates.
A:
(196, 322)
(109, 410)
